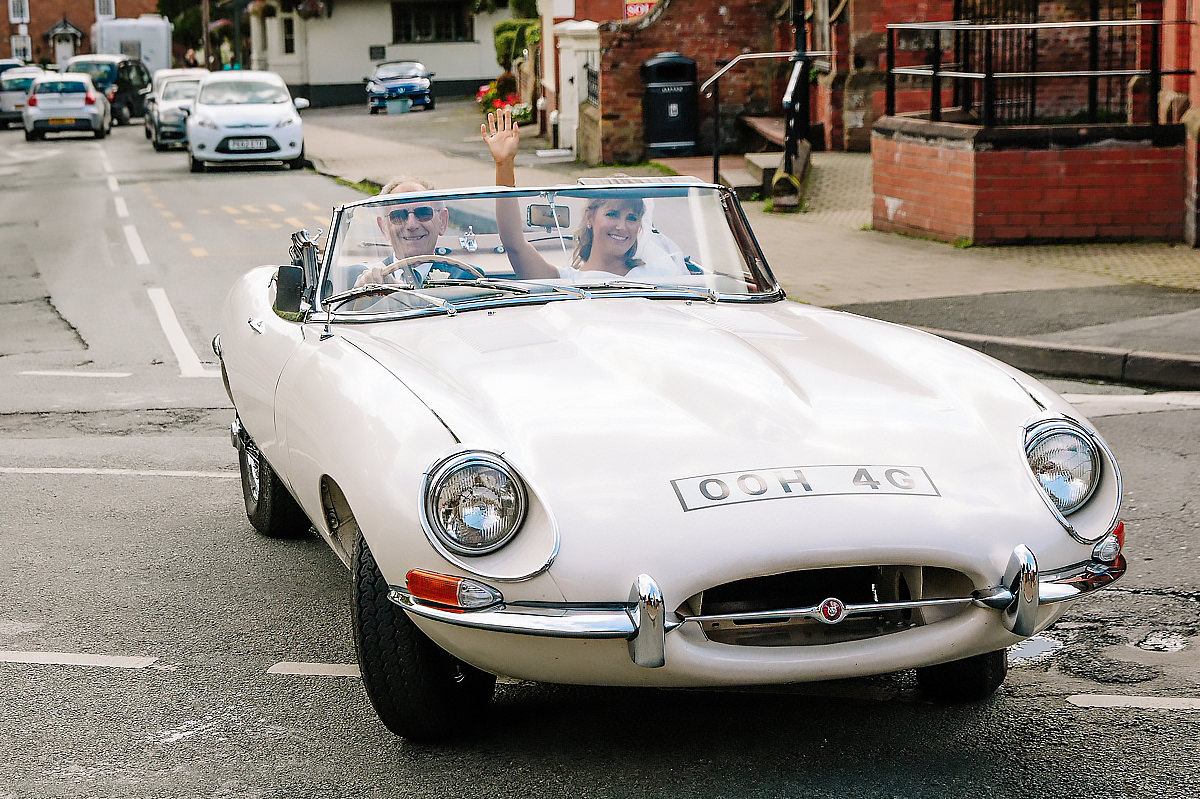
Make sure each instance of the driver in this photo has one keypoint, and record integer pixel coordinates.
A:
(413, 230)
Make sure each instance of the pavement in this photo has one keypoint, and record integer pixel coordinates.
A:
(1125, 313)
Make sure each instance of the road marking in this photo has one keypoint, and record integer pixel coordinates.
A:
(275, 209)
(114, 472)
(199, 252)
(185, 356)
(316, 669)
(53, 373)
(135, 246)
(186, 237)
(1118, 404)
(76, 659)
(1140, 702)
(112, 184)
(122, 209)
(229, 209)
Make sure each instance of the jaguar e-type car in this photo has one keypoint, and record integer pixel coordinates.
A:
(663, 473)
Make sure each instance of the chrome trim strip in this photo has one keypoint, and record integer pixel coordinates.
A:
(644, 621)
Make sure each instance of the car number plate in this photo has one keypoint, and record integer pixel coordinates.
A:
(57, 121)
(731, 488)
(247, 144)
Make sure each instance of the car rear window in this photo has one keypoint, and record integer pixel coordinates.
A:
(103, 74)
(60, 87)
(16, 84)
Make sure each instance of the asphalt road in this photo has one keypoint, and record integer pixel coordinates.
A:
(152, 645)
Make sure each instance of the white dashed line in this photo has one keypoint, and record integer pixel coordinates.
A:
(122, 209)
(112, 184)
(71, 470)
(135, 246)
(76, 659)
(315, 669)
(1139, 702)
(189, 363)
(64, 373)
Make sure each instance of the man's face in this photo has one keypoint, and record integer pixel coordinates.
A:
(413, 228)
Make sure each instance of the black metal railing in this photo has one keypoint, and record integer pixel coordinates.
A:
(996, 81)
(593, 84)
(712, 88)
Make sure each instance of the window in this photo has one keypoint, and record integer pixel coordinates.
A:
(18, 11)
(105, 8)
(432, 21)
(289, 35)
(22, 48)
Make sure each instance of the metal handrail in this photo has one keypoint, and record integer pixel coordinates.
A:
(714, 81)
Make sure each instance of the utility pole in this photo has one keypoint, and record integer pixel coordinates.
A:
(204, 19)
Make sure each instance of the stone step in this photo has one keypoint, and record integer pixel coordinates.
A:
(763, 166)
(744, 185)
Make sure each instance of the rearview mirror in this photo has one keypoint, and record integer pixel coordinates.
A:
(548, 216)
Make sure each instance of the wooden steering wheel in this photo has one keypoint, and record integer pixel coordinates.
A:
(406, 266)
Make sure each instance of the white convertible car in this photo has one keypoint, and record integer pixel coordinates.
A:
(672, 476)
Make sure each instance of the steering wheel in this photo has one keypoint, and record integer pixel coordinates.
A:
(406, 265)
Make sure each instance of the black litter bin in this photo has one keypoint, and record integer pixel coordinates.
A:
(669, 117)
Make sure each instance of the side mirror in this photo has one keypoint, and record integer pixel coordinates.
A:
(301, 103)
(431, 74)
(289, 288)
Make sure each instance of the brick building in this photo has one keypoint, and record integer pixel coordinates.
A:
(51, 31)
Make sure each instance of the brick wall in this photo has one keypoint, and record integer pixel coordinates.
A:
(80, 13)
(698, 31)
(1099, 189)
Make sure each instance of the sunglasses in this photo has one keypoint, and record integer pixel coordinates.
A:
(423, 213)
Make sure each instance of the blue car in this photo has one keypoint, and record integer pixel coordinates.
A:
(395, 80)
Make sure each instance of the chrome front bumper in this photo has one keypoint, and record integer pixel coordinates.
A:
(644, 622)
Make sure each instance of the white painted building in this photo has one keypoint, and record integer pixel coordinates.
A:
(325, 55)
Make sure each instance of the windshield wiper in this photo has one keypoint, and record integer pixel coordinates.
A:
(708, 294)
(332, 303)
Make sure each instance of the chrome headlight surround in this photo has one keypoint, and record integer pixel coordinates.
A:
(1069, 463)
(473, 503)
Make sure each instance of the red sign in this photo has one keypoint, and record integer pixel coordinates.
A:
(636, 9)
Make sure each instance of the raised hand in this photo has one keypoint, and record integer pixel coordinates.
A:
(501, 135)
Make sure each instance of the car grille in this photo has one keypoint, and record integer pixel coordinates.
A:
(855, 585)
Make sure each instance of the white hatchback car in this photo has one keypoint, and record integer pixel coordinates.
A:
(245, 116)
(64, 102)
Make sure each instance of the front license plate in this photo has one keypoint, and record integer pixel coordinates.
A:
(62, 122)
(247, 144)
(732, 488)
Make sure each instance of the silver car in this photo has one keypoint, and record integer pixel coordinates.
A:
(166, 116)
(14, 88)
(61, 102)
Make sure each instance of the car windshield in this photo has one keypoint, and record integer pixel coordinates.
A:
(237, 92)
(61, 87)
(180, 89)
(662, 239)
(102, 73)
(399, 71)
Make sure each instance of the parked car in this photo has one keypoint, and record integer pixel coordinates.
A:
(10, 63)
(245, 116)
(59, 103)
(121, 78)
(14, 88)
(672, 476)
(399, 80)
(167, 110)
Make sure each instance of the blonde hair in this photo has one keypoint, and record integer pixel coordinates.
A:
(584, 236)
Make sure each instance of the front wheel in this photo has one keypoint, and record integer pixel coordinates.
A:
(269, 506)
(297, 162)
(971, 679)
(418, 689)
(194, 163)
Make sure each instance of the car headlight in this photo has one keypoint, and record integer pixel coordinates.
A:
(1065, 461)
(173, 116)
(286, 121)
(205, 122)
(474, 502)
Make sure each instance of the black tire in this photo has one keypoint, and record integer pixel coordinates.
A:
(101, 133)
(418, 689)
(146, 130)
(298, 162)
(194, 163)
(372, 109)
(269, 506)
(29, 135)
(971, 679)
(123, 115)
